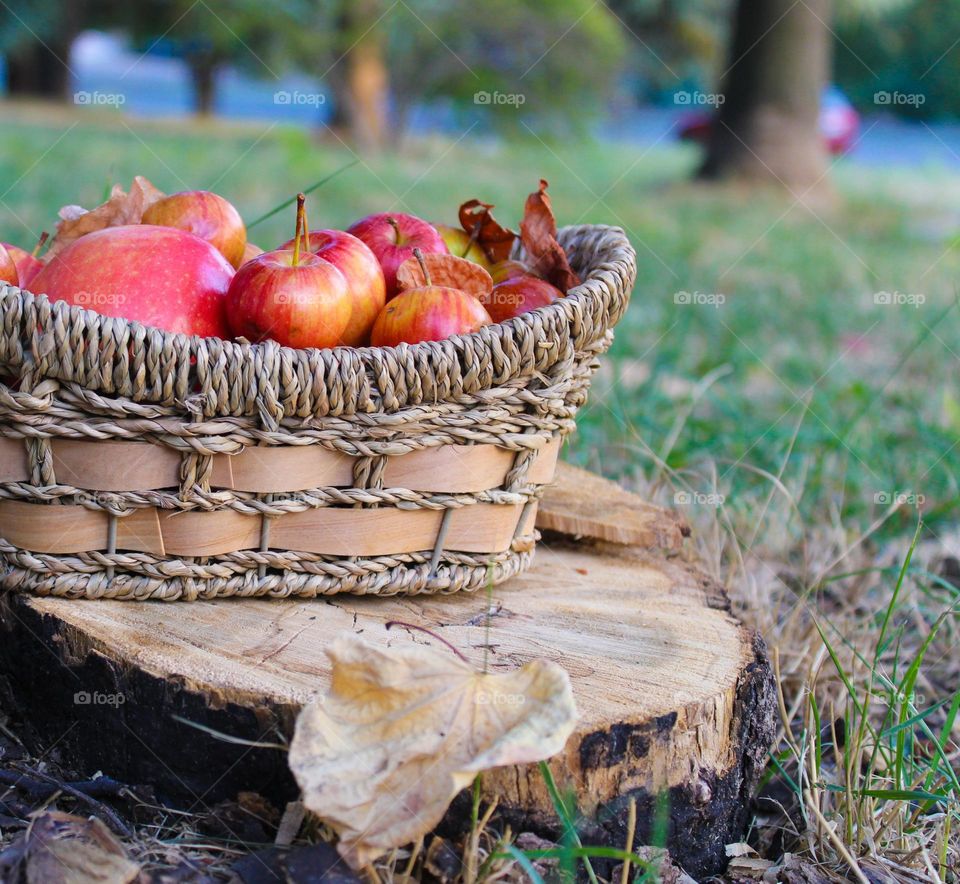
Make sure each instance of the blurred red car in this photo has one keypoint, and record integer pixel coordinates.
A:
(839, 123)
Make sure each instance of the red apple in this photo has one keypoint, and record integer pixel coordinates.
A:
(159, 276)
(501, 271)
(427, 313)
(297, 301)
(393, 237)
(459, 243)
(353, 258)
(203, 214)
(8, 269)
(519, 295)
(27, 266)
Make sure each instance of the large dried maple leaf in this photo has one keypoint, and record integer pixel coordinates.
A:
(447, 270)
(404, 729)
(121, 208)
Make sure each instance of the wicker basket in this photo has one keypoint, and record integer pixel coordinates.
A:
(140, 464)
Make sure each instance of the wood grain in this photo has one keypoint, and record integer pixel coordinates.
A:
(581, 504)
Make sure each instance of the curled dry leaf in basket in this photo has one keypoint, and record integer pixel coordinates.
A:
(404, 729)
(495, 239)
(121, 208)
(449, 270)
(538, 233)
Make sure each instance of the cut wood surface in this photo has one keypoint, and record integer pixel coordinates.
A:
(674, 695)
(583, 504)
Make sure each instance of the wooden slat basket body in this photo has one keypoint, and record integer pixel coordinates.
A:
(139, 464)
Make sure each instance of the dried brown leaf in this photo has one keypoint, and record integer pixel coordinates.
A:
(66, 849)
(404, 729)
(121, 208)
(538, 232)
(495, 239)
(458, 273)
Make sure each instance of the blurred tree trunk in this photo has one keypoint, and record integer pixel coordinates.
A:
(768, 125)
(203, 72)
(360, 77)
(41, 67)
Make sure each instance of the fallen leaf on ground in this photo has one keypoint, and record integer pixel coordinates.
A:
(120, 208)
(458, 273)
(404, 729)
(538, 232)
(495, 239)
(66, 849)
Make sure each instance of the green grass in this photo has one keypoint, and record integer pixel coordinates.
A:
(798, 338)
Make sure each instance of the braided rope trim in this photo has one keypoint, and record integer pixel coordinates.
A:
(142, 577)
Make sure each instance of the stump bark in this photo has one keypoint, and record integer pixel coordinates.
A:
(675, 696)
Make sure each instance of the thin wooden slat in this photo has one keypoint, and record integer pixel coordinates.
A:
(544, 466)
(455, 469)
(281, 469)
(52, 528)
(356, 532)
(483, 528)
(140, 532)
(209, 534)
(115, 466)
(13, 460)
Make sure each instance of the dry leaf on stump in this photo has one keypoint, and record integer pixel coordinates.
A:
(404, 729)
(121, 208)
(538, 232)
(495, 239)
(449, 270)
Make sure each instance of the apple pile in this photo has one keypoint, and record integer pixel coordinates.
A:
(183, 263)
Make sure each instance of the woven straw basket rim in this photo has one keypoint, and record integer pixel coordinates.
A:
(131, 357)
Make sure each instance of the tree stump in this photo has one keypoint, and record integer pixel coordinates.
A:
(675, 696)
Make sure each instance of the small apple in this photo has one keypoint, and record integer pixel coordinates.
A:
(8, 269)
(519, 295)
(353, 258)
(428, 313)
(27, 265)
(291, 296)
(459, 243)
(203, 214)
(159, 276)
(393, 237)
(501, 271)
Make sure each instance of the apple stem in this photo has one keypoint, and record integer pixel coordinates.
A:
(474, 237)
(301, 217)
(40, 244)
(396, 228)
(423, 266)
